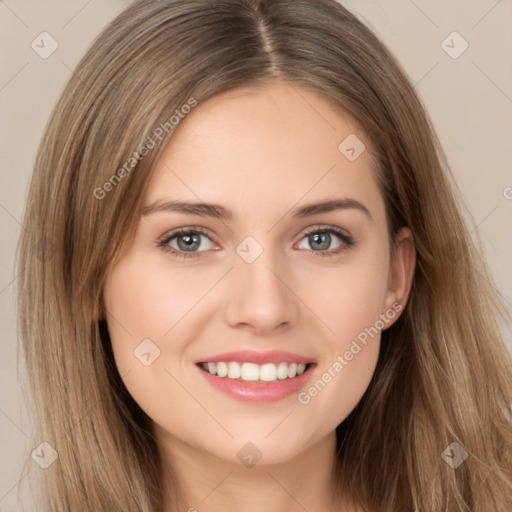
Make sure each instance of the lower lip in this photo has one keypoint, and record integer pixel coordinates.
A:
(258, 391)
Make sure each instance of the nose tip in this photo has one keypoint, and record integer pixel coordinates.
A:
(259, 298)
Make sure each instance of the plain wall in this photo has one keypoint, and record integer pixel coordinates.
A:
(469, 99)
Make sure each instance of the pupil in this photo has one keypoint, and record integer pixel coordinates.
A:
(319, 237)
(191, 241)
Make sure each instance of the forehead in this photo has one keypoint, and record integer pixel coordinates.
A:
(253, 147)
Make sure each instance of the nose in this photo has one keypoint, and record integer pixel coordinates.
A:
(260, 298)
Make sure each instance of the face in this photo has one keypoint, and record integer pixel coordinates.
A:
(259, 275)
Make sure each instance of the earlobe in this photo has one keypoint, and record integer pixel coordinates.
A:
(401, 271)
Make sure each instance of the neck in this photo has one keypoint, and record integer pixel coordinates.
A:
(210, 484)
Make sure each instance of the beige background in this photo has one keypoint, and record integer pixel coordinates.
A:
(469, 99)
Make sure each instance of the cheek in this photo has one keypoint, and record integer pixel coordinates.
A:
(349, 301)
(348, 298)
(143, 301)
(148, 322)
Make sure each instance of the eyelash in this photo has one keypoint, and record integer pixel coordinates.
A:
(346, 239)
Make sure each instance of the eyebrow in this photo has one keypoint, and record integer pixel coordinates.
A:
(218, 211)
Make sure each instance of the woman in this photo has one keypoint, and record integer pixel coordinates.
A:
(255, 288)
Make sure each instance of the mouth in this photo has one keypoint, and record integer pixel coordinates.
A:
(252, 372)
(254, 376)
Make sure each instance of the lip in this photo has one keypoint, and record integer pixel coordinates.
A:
(252, 356)
(259, 392)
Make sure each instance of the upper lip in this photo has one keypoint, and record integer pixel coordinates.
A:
(252, 356)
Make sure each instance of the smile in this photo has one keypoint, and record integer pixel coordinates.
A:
(256, 383)
(251, 372)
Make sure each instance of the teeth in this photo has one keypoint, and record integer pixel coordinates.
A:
(268, 372)
(282, 371)
(234, 371)
(251, 372)
(222, 369)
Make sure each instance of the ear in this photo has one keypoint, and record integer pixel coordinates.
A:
(401, 271)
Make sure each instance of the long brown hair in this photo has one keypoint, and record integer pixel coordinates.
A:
(443, 376)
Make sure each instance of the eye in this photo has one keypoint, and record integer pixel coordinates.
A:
(188, 242)
(320, 239)
(185, 242)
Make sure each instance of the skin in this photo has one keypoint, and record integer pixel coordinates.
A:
(262, 153)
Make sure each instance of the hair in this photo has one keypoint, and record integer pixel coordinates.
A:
(443, 374)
